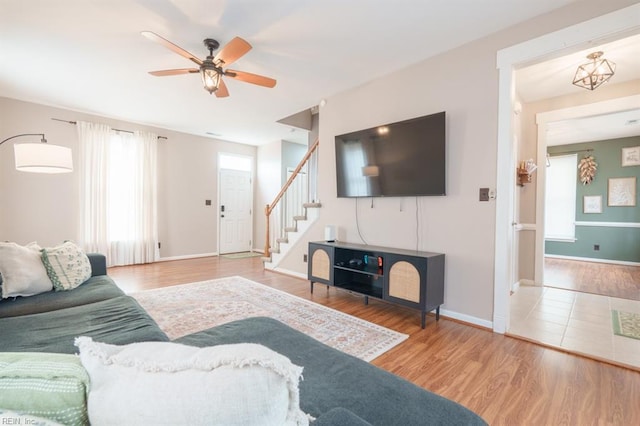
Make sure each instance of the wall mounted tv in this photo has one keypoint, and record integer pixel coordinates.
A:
(401, 159)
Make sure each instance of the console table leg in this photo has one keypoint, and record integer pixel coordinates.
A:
(438, 313)
(311, 282)
(366, 300)
(424, 319)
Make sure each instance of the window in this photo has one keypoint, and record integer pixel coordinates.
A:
(560, 198)
(118, 210)
(234, 162)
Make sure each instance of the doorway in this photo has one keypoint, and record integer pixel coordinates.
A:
(235, 202)
(572, 319)
(547, 310)
(614, 25)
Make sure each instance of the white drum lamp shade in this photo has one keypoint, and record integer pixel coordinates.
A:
(43, 158)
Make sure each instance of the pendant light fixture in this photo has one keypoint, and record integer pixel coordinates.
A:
(592, 74)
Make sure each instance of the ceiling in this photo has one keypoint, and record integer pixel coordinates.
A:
(89, 56)
(553, 78)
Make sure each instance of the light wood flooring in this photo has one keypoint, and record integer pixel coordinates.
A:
(503, 379)
(606, 279)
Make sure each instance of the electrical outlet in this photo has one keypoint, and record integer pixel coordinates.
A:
(304, 258)
(207, 202)
(596, 247)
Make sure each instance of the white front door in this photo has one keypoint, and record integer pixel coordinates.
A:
(235, 211)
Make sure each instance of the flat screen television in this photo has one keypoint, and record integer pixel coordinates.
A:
(400, 159)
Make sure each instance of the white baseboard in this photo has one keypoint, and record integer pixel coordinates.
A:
(591, 259)
(187, 256)
(515, 286)
(288, 272)
(467, 318)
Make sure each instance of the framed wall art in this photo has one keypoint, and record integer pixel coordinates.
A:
(592, 204)
(622, 192)
(631, 156)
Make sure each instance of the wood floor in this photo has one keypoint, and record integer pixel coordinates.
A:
(606, 279)
(505, 380)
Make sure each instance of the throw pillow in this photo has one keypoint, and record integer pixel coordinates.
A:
(67, 266)
(47, 385)
(168, 383)
(22, 271)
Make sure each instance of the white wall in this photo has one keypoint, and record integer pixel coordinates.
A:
(268, 185)
(464, 83)
(37, 207)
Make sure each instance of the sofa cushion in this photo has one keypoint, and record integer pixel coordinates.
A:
(23, 273)
(95, 289)
(52, 386)
(169, 383)
(118, 320)
(334, 379)
(340, 417)
(67, 265)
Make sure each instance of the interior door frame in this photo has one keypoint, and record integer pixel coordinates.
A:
(219, 192)
(542, 120)
(611, 26)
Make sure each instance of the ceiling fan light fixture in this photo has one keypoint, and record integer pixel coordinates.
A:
(211, 69)
(210, 78)
(593, 74)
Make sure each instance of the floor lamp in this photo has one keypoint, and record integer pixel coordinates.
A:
(41, 157)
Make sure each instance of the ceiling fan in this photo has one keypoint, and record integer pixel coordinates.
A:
(211, 69)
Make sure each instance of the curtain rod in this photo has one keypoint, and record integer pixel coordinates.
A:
(552, 154)
(117, 130)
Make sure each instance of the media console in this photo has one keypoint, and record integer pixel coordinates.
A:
(406, 277)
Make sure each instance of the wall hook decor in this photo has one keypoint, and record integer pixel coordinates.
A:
(587, 169)
(525, 170)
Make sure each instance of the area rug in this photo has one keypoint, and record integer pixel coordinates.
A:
(243, 255)
(626, 324)
(184, 309)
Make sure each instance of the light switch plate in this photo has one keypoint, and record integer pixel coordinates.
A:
(484, 194)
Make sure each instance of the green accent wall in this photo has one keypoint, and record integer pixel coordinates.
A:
(615, 243)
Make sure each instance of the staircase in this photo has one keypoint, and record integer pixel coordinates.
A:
(291, 235)
(292, 211)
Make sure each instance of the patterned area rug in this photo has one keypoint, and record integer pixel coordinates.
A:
(187, 308)
(626, 324)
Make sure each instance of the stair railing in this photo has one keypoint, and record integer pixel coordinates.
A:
(295, 175)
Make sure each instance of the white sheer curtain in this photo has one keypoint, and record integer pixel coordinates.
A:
(119, 194)
(93, 174)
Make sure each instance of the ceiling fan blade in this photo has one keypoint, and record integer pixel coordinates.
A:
(232, 51)
(222, 91)
(247, 77)
(174, 48)
(164, 73)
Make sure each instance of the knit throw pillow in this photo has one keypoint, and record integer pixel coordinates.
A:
(45, 385)
(67, 266)
(164, 383)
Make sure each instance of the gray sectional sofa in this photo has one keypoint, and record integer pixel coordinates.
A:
(337, 389)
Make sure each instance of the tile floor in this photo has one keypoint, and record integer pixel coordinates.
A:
(578, 322)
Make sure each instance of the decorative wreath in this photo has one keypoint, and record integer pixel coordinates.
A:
(587, 168)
